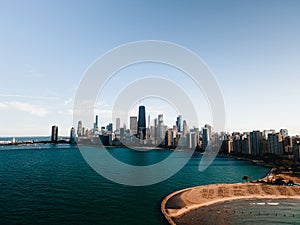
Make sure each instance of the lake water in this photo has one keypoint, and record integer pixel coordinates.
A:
(52, 184)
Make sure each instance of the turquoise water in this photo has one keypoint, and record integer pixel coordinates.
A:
(47, 184)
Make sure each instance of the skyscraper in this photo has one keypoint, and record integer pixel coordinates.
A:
(155, 134)
(267, 132)
(209, 130)
(160, 128)
(184, 128)
(79, 129)
(255, 140)
(72, 136)
(178, 123)
(133, 125)
(54, 133)
(142, 123)
(205, 138)
(275, 144)
(118, 124)
(168, 138)
(96, 124)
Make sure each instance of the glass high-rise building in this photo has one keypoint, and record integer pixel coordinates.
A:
(142, 122)
(72, 136)
(178, 123)
(205, 137)
(96, 124)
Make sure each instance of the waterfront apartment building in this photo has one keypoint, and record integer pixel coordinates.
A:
(255, 140)
(246, 144)
(236, 143)
(296, 148)
(275, 143)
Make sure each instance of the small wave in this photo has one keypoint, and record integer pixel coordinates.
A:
(257, 203)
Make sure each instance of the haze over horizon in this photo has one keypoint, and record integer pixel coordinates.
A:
(252, 48)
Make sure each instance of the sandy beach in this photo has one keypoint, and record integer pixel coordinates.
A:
(179, 203)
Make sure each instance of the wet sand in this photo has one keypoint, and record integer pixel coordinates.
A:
(175, 202)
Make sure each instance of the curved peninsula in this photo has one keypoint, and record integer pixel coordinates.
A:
(183, 202)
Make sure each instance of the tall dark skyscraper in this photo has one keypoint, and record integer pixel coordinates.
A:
(96, 122)
(179, 122)
(142, 123)
(205, 138)
(54, 133)
(72, 136)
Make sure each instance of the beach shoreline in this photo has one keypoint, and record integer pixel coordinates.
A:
(181, 202)
(186, 200)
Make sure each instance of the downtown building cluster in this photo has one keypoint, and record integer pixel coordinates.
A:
(144, 133)
(254, 144)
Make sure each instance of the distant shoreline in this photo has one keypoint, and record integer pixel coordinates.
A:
(256, 162)
(34, 142)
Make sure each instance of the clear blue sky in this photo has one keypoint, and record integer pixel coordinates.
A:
(252, 47)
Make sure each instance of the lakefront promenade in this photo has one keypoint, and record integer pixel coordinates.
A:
(178, 204)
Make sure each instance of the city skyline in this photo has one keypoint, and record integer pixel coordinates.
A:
(253, 143)
(46, 49)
